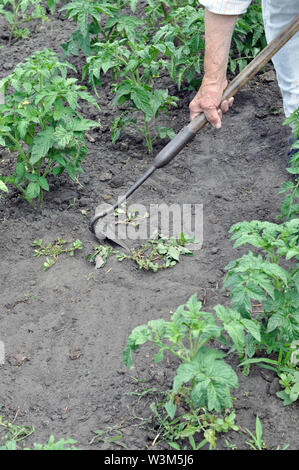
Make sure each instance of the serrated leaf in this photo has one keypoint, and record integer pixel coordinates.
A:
(170, 407)
(80, 125)
(41, 145)
(275, 270)
(62, 136)
(275, 321)
(141, 99)
(32, 190)
(236, 332)
(253, 328)
(22, 128)
(213, 378)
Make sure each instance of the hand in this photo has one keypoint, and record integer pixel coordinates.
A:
(208, 101)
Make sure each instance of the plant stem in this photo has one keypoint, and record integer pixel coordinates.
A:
(18, 146)
(147, 137)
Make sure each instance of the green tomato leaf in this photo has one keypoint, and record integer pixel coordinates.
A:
(42, 144)
(32, 190)
(170, 407)
(253, 327)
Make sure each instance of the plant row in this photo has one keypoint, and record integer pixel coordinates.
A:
(260, 327)
(41, 122)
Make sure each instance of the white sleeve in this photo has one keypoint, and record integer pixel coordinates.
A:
(226, 7)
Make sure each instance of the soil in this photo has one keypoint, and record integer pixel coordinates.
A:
(64, 329)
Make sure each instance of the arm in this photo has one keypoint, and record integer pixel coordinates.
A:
(218, 34)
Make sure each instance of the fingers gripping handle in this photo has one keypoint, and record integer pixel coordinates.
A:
(251, 69)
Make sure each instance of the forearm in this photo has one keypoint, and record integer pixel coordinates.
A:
(218, 35)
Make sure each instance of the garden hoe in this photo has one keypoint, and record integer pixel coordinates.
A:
(103, 230)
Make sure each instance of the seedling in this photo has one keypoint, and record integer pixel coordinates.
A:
(52, 251)
(132, 217)
(19, 12)
(256, 443)
(62, 444)
(140, 97)
(15, 432)
(198, 426)
(202, 378)
(111, 435)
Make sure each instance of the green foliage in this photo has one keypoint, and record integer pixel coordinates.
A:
(53, 250)
(202, 379)
(19, 12)
(41, 124)
(290, 383)
(159, 252)
(88, 15)
(169, 37)
(62, 444)
(138, 96)
(195, 427)
(15, 432)
(256, 442)
(99, 255)
(260, 277)
(248, 38)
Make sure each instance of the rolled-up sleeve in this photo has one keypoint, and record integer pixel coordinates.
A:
(226, 7)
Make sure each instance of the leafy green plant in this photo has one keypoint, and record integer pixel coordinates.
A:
(203, 378)
(98, 21)
(142, 98)
(110, 435)
(19, 12)
(41, 124)
(248, 37)
(53, 250)
(256, 441)
(262, 278)
(193, 428)
(290, 384)
(135, 65)
(181, 41)
(15, 432)
(62, 444)
(158, 252)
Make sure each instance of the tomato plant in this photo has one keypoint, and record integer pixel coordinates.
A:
(40, 123)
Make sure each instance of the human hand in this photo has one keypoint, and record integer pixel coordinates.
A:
(208, 101)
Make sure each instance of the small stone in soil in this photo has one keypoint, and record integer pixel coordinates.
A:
(116, 182)
(105, 176)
